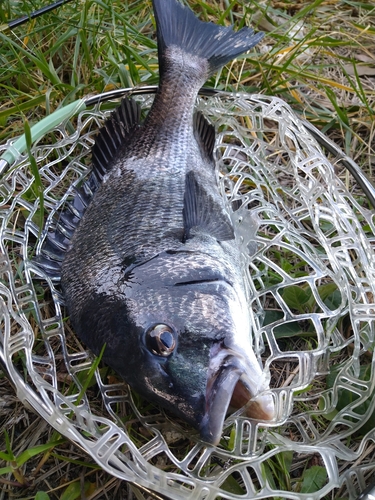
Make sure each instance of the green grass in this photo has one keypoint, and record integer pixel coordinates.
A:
(317, 56)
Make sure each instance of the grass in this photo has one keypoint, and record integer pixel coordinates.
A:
(317, 56)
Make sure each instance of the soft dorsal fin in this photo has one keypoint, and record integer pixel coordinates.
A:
(114, 135)
(204, 134)
(202, 212)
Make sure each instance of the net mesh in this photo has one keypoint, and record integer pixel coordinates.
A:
(309, 245)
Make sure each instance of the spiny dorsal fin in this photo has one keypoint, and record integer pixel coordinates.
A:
(114, 135)
(202, 212)
(204, 134)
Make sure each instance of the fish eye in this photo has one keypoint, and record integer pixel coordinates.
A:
(160, 340)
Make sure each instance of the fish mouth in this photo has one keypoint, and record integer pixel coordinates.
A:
(232, 384)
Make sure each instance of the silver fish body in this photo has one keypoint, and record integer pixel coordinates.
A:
(153, 270)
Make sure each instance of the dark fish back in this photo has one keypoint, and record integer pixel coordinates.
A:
(112, 139)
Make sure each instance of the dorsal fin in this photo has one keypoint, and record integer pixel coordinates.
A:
(114, 135)
(202, 212)
(204, 134)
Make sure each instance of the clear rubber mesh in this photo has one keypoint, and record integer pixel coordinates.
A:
(309, 246)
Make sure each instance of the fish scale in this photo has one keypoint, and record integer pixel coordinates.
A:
(138, 233)
(152, 269)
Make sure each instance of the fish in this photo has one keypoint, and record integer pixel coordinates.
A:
(146, 251)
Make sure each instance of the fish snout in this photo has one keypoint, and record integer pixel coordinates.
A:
(234, 382)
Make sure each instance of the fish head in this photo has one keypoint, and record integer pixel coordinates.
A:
(178, 333)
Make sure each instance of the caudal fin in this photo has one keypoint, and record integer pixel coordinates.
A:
(179, 27)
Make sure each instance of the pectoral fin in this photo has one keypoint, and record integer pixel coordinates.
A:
(202, 212)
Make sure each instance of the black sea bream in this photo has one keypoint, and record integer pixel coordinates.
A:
(152, 269)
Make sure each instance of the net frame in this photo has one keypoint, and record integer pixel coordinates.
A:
(286, 202)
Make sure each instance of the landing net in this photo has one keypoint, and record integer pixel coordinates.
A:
(310, 248)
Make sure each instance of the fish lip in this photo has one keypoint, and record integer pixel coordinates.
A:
(218, 396)
(222, 382)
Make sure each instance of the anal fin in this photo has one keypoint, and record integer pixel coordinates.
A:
(205, 134)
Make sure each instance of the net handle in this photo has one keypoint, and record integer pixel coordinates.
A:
(38, 130)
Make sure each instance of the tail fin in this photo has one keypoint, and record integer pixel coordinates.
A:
(178, 26)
